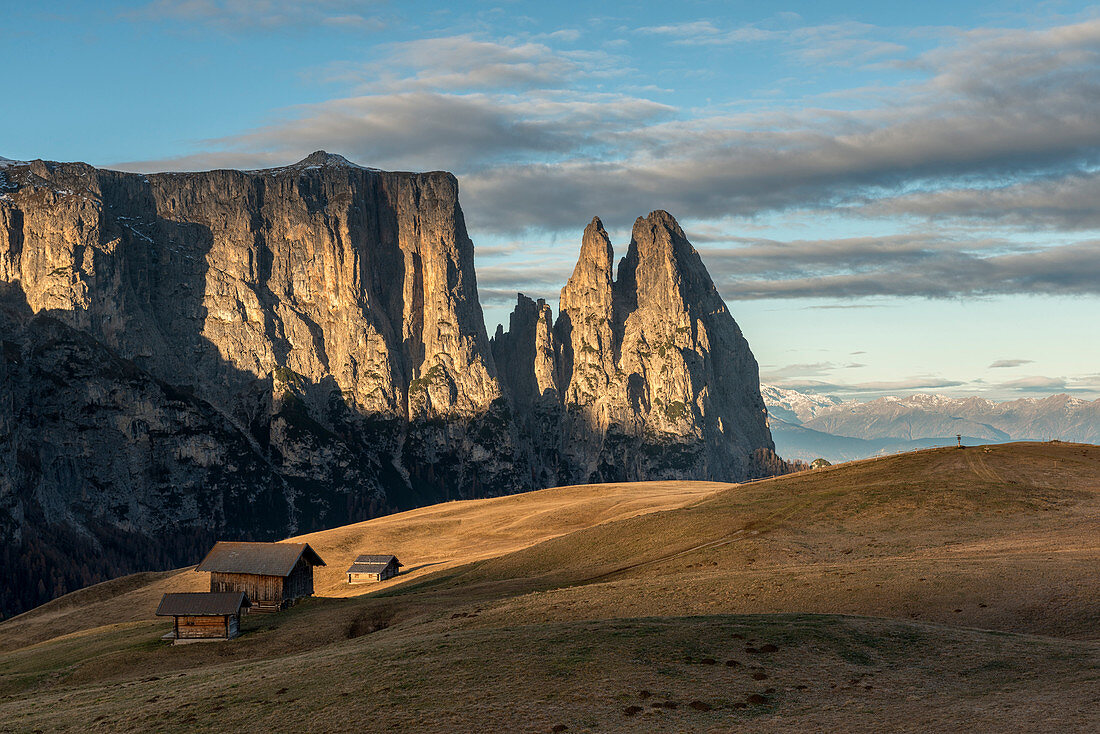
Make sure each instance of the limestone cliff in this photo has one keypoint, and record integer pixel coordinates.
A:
(314, 330)
(655, 378)
(255, 353)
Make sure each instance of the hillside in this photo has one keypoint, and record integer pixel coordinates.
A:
(427, 540)
(945, 589)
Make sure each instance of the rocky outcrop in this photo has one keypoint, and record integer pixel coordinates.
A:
(654, 376)
(527, 357)
(257, 353)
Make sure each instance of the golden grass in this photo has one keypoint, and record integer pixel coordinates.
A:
(560, 607)
(440, 537)
(426, 540)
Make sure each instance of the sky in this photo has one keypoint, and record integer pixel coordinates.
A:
(892, 198)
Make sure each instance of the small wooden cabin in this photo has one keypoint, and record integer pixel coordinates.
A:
(273, 575)
(373, 568)
(204, 615)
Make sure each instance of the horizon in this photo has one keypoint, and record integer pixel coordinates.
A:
(888, 204)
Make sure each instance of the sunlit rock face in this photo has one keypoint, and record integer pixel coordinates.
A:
(655, 377)
(256, 353)
(241, 353)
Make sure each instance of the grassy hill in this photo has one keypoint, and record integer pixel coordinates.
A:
(945, 589)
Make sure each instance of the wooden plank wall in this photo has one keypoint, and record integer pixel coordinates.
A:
(300, 581)
(190, 628)
(259, 589)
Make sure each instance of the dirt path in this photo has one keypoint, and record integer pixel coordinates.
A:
(977, 465)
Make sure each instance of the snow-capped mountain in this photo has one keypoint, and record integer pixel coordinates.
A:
(795, 407)
(806, 426)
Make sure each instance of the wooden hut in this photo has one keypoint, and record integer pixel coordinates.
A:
(373, 568)
(204, 615)
(273, 575)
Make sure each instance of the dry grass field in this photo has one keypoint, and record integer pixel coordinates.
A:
(943, 590)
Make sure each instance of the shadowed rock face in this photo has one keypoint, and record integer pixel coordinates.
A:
(253, 354)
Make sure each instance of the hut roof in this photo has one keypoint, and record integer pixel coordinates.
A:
(202, 604)
(261, 559)
(372, 564)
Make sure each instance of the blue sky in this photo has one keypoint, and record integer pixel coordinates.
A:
(891, 197)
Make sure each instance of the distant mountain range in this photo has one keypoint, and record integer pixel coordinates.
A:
(808, 426)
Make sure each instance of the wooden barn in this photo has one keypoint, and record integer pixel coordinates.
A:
(273, 575)
(373, 568)
(204, 615)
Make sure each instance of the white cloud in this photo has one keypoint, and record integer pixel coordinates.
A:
(262, 14)
(536, 148)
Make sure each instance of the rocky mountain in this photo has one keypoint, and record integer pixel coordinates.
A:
(795, 407)
(853, 429)
(644, 373)
(248, 354)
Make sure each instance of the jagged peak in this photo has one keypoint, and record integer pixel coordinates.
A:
(526, 305)
(659, 220)
(596, 246)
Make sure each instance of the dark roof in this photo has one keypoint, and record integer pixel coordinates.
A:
(261, 559)
(202, 604)
(372, 564)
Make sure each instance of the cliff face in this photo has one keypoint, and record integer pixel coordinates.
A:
(251, 354)
(655, 377)
(237, 354)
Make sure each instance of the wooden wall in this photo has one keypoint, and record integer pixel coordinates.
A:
(387, 573)
(300, 581)
(192, 628)
(260, 589)
(268, 593)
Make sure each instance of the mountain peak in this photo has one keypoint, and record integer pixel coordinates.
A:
(659, 220)
(324, 158)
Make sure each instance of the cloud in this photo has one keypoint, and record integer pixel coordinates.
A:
(881, 387)
(707, 33)
(430, 131)
(1067, 202)
(1010, 363)
(774, 374)
(930, 270)
(1036, 383)
(463, 63)
(844, 43)
(262, 14)
(537, 149)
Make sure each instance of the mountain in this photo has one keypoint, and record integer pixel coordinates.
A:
(652, 376)
(247, 354)
(794, 407)
(807, 426)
